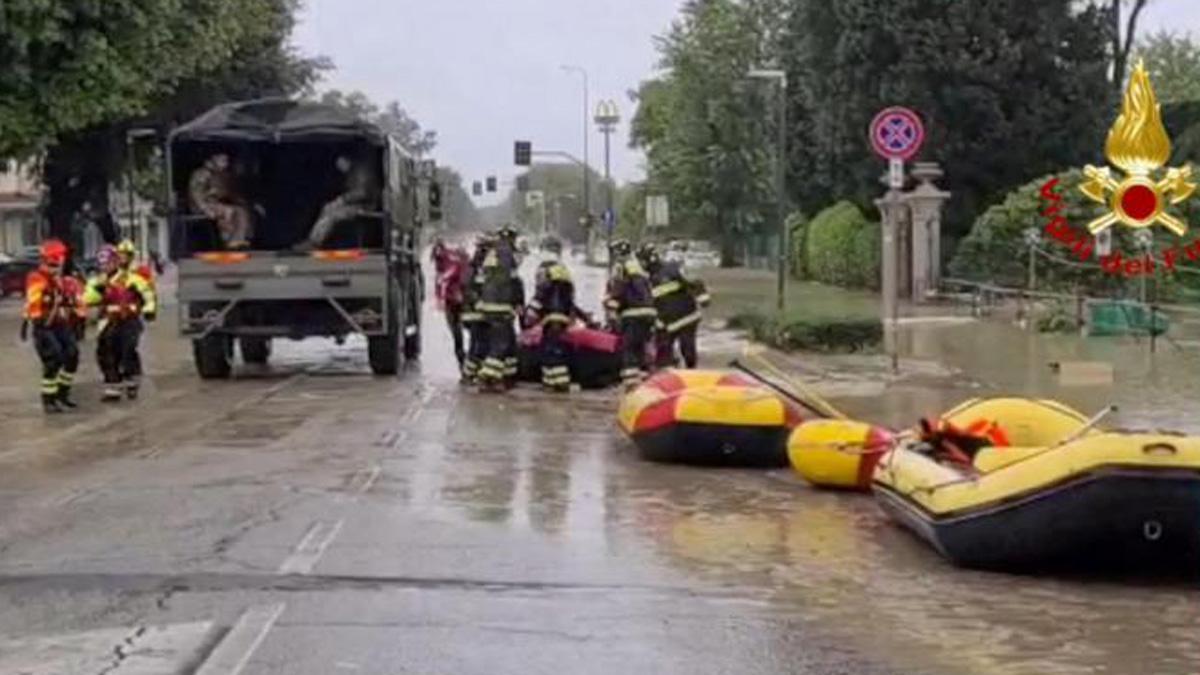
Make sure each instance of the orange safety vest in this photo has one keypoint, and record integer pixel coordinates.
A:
(52, 299)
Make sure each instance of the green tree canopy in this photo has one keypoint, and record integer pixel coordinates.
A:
(1174, 65)
(392, 118)
(70, 66)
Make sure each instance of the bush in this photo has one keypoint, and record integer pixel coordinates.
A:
(841, 247)
(995, 251)
(810, 334)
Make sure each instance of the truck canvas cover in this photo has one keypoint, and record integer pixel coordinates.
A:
(279, 121)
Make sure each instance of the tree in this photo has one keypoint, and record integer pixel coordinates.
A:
(392, 118)
(459, 213)
(1007, 90)
(1174, 65)
(560, 185)
(74, 66)
(703, 125)
(1122, 40)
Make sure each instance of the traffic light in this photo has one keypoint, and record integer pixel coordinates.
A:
(522, 153)
(435, 201)
(491, 183)
(523, 183)
(477, 188)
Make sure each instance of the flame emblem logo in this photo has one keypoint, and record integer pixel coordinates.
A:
(1138, 144)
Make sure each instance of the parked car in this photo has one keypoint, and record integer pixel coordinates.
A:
(12, 275)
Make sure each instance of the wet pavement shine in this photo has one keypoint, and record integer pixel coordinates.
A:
(309, 518)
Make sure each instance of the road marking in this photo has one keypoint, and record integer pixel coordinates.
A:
(235, 649)
(118, 651)
(311, 547)
(372, 476)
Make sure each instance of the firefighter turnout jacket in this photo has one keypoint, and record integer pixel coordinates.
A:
(501, 292)
(677, 297)
(122, 295)
(52, 299)
(629, 292)
(554, 295)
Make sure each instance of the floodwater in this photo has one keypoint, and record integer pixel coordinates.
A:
(408, 525)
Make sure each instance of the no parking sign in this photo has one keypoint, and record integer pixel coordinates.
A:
(896, 135)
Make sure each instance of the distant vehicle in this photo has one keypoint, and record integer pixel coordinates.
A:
(290, 159)
(695, 253)
(12, 275)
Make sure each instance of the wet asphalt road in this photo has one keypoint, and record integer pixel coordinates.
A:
(309, 518)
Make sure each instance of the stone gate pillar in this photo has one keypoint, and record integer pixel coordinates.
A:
(925, 203)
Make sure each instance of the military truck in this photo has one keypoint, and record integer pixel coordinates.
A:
(281, 164)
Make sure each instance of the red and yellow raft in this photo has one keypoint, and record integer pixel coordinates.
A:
(709, 418)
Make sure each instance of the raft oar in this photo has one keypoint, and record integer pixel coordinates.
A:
(806, 396)
(814, 403)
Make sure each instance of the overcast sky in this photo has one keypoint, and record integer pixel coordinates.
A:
(486, 72)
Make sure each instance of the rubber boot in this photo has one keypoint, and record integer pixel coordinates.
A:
(64, 397)
(131, 389)
(50, 404)
(112, 393)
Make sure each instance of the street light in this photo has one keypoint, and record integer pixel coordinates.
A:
(587, 189)
(607, 117)
(779, 76)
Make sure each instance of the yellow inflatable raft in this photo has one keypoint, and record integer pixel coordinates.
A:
(708, 417)
(1034, 485)
(838, 453)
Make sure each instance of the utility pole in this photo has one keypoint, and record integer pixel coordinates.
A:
(780, 189)
(587, 181)
(607, 117)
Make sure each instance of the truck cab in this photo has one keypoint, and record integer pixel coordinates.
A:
(248, 184)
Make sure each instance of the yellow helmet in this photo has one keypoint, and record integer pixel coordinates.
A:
(126, 247)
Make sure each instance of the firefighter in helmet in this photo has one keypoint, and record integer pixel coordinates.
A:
(125, 298)
(502, 296)
(52, 308)
(553, 307)
(630, 304)
(472, 318)
(678, 300)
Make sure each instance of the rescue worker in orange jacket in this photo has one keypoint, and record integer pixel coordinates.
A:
(630, 304)
(124, 298)
(52, 308)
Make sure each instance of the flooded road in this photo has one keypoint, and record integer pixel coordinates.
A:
(309, 518)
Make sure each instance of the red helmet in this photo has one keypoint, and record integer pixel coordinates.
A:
(54, 252)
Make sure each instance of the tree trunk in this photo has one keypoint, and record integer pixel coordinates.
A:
(78, 170)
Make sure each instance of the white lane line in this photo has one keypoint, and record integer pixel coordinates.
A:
(235, 649)
(370, 480)
(311, 547)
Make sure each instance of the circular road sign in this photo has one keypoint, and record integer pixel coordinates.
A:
(897, 133)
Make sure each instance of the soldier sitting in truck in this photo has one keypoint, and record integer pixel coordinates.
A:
(360, 197)
(212, 192)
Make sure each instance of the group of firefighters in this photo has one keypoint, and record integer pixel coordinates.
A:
(56, 309)
(650, 302)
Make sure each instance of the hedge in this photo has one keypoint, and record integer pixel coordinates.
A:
(809, 334)
(841, 247)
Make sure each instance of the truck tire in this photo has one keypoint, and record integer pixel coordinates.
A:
(213, 356)
(412, 343)
(383, 351)
(255, 350)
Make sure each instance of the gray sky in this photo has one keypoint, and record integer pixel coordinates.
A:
(486, 72)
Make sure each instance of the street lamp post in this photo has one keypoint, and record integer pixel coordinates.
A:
(587, 181)
(780, 190)
(607, 117)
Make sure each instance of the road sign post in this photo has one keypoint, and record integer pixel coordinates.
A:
(896, 134)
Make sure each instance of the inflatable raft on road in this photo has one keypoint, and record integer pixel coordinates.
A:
(1052, 491)
(709, 418)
